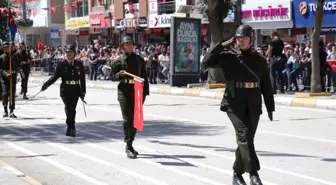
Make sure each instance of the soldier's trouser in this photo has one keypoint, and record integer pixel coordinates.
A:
(0, 90)
(127, 110)
(5, 85)
(24, 81)
(246, 157)
(70, 102)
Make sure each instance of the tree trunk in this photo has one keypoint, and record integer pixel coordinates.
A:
(215, 16)
(315, 78)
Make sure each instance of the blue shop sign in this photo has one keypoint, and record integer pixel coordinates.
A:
(304, 13)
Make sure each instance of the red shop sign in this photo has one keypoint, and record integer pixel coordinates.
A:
(99, 21)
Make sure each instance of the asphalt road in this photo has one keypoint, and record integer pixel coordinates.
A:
(186, 141)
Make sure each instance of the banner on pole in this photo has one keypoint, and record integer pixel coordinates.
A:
(138, 105)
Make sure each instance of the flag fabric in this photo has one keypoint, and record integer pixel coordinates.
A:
(12, 25)
(40, 45)
(332, 64)
(138, 105)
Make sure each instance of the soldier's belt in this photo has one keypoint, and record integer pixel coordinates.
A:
(72, 82)
(127, 81)
(247, 85)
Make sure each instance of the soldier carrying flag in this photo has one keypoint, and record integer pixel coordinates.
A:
(128, 63)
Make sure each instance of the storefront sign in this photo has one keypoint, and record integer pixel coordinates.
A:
(132, 23)
(267, 12)
(304, 13)
(160, 21)
(75, 23)
(99, 21)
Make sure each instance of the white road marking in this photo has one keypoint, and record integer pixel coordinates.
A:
(95, 159)
(180, 172)
(55, 163)
(222, 156)
(204, 123)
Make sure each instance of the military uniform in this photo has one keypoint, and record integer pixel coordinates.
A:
(247, 76)
(134, 64)
(25, 66)
(5, 78)
(72, 88)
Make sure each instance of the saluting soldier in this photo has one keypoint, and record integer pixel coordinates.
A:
(135, 64)
(6, 76)
(25, 66)
(72, 88)
(247, 76)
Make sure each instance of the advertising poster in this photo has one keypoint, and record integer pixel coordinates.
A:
(186, 43)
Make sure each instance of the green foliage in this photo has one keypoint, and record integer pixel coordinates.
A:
(202, 6)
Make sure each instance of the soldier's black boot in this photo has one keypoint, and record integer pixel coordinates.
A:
(25, 96)
(131, 153)
(255, 179)
(71, 131)
(12, 115)
(238, 179)
(5, 112)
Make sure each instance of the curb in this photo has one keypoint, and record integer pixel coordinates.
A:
(307, 101)
(19, 174)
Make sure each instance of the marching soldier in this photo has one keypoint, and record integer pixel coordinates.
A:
(6, 76)
(132, 63)
(1, 52)
(25, 66)
(72, 88)
(247, 76)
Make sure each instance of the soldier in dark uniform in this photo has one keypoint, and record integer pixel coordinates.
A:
(72, 88)
(5, 78)
(25, 66)
(132, 63)
(247, 76)
(1, 52)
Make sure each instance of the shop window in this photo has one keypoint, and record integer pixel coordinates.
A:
(166, 7)
(133, 1)
(82, 9)
(102, 2)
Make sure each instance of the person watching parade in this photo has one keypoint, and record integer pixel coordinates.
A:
(134, 64)
(72, 88)
(247, 76)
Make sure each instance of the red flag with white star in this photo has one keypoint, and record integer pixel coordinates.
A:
(138, 105)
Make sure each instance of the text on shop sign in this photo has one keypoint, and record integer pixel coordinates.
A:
(265, 12)
(328, 6)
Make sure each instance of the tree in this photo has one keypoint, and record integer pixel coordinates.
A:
(315, 78)
(216, 11)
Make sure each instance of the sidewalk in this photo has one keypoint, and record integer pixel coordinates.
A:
(11, 176)
(324, 102)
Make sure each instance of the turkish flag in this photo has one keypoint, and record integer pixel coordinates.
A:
(138, 105)
(40, 45)
(332, 64)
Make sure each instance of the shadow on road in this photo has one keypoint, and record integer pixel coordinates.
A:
(107, 129)
(233, 150)
(329, 160)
